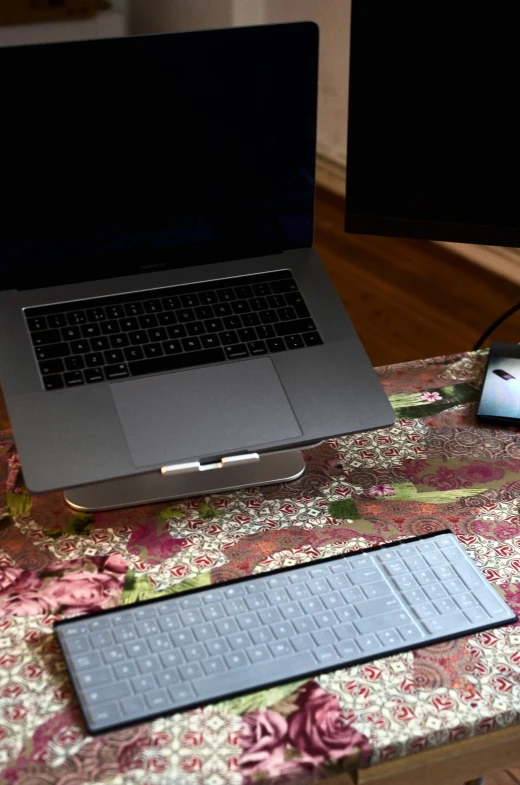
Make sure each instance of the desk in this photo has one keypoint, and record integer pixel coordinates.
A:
(435, 469)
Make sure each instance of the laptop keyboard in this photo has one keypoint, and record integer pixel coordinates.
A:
(142, 333)
(138, 662)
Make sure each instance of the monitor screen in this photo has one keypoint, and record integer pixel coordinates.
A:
(157, 151)
(432, 139)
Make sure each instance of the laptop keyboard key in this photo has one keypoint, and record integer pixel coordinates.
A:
(90, 330)
(54, 382)
(99, 344)
(138, 337)
(190, 344)
(71, 333)
(210, 341)
(53, 351)
(110, 328)
(294, 342)
(256, 348)
(75, 363)
(225, 309)
(312, 339)
(119, 371)
(169, 347)
(133, 309)
(119, 341)
(93, 375)
(237, 351)
(195, 328)
(56, 320)
(76, 317)
(294, 327)
(276, 345)
(51, 366)
(73, 379)
(153, 350)
(174, 362)
(44, 337)
(37, 323)
(114, 356)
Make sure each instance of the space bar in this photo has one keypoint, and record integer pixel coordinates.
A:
(174, 362)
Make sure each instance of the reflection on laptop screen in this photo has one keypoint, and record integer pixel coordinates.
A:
(157, 151)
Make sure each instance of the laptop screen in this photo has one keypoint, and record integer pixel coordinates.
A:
(155, 152)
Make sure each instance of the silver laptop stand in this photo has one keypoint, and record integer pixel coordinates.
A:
(190, 479)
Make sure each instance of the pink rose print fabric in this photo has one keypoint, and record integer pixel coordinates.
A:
(436, 468)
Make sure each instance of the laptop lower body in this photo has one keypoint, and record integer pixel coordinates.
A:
(242, 357)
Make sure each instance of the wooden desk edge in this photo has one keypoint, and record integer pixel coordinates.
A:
(450, 764)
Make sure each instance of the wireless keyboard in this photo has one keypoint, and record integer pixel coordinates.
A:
(168, 655)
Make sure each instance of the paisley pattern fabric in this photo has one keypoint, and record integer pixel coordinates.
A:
(436, 468)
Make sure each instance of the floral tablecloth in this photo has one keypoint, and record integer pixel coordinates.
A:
(435, 469)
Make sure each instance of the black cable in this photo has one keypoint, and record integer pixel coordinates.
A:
(495, 324)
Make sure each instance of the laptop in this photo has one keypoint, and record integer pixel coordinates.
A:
(160, 299)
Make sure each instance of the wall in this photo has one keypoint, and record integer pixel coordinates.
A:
(168, 16)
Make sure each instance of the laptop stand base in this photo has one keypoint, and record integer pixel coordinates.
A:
(156, 487)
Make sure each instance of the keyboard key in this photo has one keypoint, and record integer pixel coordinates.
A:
(144, 683)
(346, 613)
(172, 303)
(152, 350)
(191, 670)
(54, 382)
(465, 600)
(45, 337)
(410, 633)
(414, 596)
(51, 366)
(373, 607)
(73, 379)
(237, 351)
(369, 644)
(364, 575)
(148, 664)
(312, 339)
(382, 622)
(347, 649)
(152, 306)
(282, 629)
(339, 581)
(390, 638)
(276, 345)
(114, 356)
(236, 659)
(38, 323)
(477, 615)
(295, 327)
(99, 344)
(94, 678)
(302, 642)
(447, 623)
(52, 352)
(189, 300)
(116, 371)
(377, 589)
(426, 611)
(195, 328)
(285, 285)
(94, 360)
(105, 716)
(353, 594)
(305, 624)
(325, 655)
(119, 341)
(257, 348)
(110, 327)
(345, 631)
(280, 648)
(435, 592)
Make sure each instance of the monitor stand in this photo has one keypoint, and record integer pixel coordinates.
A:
(192, 480)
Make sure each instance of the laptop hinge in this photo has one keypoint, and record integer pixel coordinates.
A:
(197, 466)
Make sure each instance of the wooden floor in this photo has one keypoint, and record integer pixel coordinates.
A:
(410, 299)
(407, 298)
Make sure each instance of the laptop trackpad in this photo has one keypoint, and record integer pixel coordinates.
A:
(211, 411)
